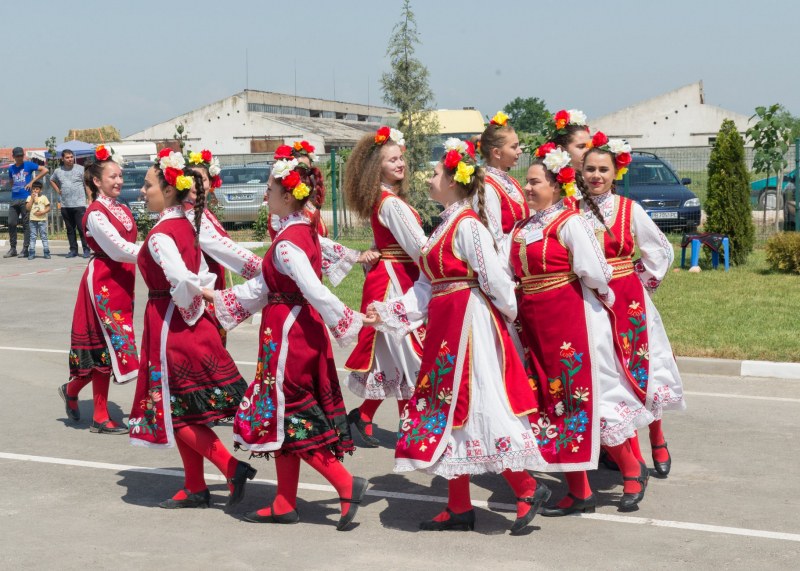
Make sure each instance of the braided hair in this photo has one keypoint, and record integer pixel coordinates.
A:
(475, 187)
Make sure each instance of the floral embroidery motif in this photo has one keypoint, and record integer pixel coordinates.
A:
(432, 400)
(298, 428)
(344, 323)
(637, 355)
(117, 210)
(148, 422)
(251, 267)
(233, 307)
(190, 312)
(119, 329)
(259, 412)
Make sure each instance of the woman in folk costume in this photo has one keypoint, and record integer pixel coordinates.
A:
(294, 408)
(583, 402)
(504, 202)
(468, 414)
(188, 379)
(639, 334)
(375, 184)
(571, 134)
(103, 343)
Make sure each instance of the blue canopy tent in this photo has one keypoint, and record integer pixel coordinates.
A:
(772, 181)
(79, 148)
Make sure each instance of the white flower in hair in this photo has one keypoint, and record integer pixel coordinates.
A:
(397, 137)
(576, 117)
(556, 160)
(214, 168)
(118, 158)
(618, 146)
(312, 157)
(453, 144)
(283, 167)
(173, 160)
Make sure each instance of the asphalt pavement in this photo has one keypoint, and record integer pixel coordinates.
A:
(72, 499)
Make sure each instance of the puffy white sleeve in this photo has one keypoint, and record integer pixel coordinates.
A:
(656, 251)
(293, 262)
(588, 261)
(493, 211)
(114, 246)
(186, 288)
(474, 243)
(227, 252)
(337, 260)
(402, 315)
(398, 217)
(235, 304)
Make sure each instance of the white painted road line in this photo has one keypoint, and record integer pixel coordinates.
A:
(682, 525)
(745, 397)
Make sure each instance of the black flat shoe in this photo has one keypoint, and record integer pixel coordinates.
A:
(359, 489)
(199, 500)
(244, 472)
(607, 461)
(463, 521)
(72, 413)
(540, 496)
(369, 441)
(287, 518)
(585, 506)
(662, 468)
(103, 428)
(628, 502)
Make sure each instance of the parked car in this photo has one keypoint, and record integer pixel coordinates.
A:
(762, 191)
(242, 192)
(5, 193)
(652, 183)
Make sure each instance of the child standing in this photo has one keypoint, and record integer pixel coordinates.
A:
(39, 207)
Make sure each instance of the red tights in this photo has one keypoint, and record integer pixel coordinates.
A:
(100, 383)
(197, 442)
(288, 468)
(628, 465)
(458, 496)
(656, 439)
(370, 406)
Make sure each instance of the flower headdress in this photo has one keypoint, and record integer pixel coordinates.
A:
(211, 162)
(557, 161)
(460, 158)
(283, 170)
(385, 134)
(304, 148)
(569, 117)
(500, 119)
(102, 153)
(172, 164)
(617, 147)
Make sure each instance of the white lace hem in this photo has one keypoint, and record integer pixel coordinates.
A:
(337, 271)
(516, 461)
(394, 320)
(620, 432)
(361, 385)
(346, 331)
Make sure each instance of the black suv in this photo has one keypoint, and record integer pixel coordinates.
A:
(652, 183)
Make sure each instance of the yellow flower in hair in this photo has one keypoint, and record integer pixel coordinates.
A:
(620, 173)
(301, 191)
(569, 189)
(195, 158)
(297, 146)
(183, 182)
(464, 173)
(499, 118)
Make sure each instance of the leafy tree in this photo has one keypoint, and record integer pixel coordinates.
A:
(771, 137)
(728, 201)
(406, 89)
(529, 115)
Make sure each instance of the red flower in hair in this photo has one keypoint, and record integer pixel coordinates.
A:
(565, 175)
(284, 152)
(291, 180)
(542, 151)
(206, 154)
(561, 118)
(307, 147)
(451, 159)
(622, 160)
(101, 153)
(164, 152)
(171, 175)
(216, 181)
(599, 139)
(382, 135)
(470, 148)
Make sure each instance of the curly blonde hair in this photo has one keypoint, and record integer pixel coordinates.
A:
(362, 176)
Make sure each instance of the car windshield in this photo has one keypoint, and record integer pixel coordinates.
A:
(651, 173)
(252, 175)
(133, 178)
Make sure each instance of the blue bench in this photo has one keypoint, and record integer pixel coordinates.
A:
(715, 242)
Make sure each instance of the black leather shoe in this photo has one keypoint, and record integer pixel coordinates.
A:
(10, 254)
(463, 521)
(287, 518)
(607, 461)
(369, 441)
(244, 472)
(72, 413)
(72, 255)
(628, 502)
(103, 428)
(359, 488)
(540, 496)
(199, 500)
(662, 468)
(23, 254)
(585, 506)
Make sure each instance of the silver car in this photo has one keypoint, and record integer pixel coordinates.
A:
(242, 192)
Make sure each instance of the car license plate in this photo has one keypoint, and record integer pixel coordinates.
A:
(238, 197)
(3, 205)
(664, 215)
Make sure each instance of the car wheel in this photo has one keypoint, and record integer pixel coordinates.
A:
(769, 197)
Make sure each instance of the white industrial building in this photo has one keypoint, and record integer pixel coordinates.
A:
(679, 118)
(259, 121)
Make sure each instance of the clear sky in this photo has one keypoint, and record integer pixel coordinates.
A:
(133, 64)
